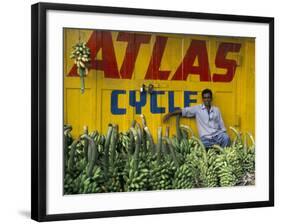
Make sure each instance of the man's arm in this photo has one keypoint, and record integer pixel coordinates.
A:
(168, 115)
(221, 123)
(185, 112)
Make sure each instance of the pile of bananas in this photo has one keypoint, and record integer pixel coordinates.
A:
(134, 161)
(81, 56)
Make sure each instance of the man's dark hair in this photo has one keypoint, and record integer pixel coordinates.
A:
(207, 91)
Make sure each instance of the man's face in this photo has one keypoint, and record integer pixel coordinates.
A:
(207, 99)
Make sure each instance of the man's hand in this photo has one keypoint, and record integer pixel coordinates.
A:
(166, 117)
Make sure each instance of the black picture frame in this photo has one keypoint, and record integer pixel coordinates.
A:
(39, 122)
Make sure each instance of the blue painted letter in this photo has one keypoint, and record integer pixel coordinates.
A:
(187, 99)
(153, 102)
(114, 102)
(172, 107)
(134, 103)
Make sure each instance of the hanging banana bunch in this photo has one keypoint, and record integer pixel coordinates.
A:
(81, 56)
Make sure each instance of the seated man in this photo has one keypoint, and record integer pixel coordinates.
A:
(209, 121)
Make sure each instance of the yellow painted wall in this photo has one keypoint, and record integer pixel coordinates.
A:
(236, 99)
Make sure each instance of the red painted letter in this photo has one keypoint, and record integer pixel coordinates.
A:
(134, 41)
(222, 62)
(102, 40)
(155, 61)
(197, 49)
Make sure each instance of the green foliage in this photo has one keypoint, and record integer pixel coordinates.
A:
(134, 161)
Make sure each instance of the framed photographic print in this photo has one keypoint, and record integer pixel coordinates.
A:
(141, 111)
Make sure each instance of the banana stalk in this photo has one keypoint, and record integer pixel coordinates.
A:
(137, 149)
(92, 154)
(237, 134)
(72, 154)
(113, 143)
(179, 133)
(131, 145)
(252, 139)
(172, 151)
(188, 129)
(159, 144)
(150, 139)
(164, 143)
(106, 150)
(86, 142)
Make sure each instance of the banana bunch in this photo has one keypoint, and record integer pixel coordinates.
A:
(246, 153)
(98, 138)
(183, 173)
(161, 175)
(135, 179)
(114, 165)
(249, 155)
(81, 56)
(235, 161)
(67, 135)
(161, 169)
(67, 141)
(211, 178)
(68, 184)
(92, 180)
(93, 183)
(135, 173)
(228, 166)
(227, 176)
(183, 177)
(76, 161)
(123, 142)
(113, 182)
(71, 185)
(178, 150)
(249, 161)
(196, 163)
(73, 169)
(182, 140)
